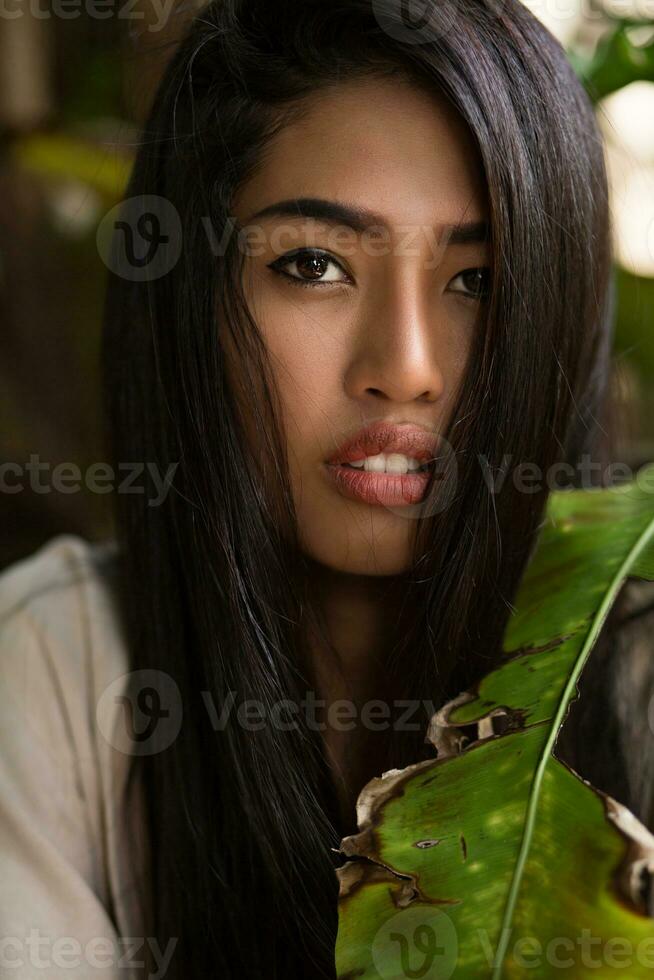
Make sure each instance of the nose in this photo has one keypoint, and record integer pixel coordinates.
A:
(397, 354)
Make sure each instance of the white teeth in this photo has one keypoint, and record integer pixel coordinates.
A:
(394, 463)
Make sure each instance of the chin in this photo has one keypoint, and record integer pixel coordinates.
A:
(352, 552)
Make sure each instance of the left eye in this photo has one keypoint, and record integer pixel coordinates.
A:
(310, 265)
(476, 283)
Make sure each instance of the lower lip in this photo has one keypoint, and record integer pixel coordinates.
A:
(381, 489)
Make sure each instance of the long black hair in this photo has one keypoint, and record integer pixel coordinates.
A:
(242, 823)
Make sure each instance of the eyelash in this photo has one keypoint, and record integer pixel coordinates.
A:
(290, 257)
(277, 266)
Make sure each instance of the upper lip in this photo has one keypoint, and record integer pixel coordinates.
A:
(387, 437)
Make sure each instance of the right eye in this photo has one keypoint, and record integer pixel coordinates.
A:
(312, 262)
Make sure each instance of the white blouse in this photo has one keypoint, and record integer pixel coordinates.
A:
(68, 890)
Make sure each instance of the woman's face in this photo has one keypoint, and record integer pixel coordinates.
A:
(373, 318)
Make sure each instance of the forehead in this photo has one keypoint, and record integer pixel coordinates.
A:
(387, 144)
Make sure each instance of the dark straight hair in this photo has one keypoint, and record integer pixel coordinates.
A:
(242, 823)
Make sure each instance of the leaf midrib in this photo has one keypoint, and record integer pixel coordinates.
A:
(596, 623)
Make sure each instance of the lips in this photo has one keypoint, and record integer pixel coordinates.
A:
(383, 489)
(387, 437)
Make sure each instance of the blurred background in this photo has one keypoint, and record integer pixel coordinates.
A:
(76, 80)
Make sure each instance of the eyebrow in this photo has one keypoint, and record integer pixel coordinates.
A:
(361, 219)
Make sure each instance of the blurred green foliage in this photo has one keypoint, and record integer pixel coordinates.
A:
(625, 54)
(617, 60)
(634, 337)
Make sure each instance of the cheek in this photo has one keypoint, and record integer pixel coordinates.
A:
(455, 353)
(305, 340)
(306, 352)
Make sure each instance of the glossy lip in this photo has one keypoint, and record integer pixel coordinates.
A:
(383, 489)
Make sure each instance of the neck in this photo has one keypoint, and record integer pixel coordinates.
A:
(358, 619)
(360, 616)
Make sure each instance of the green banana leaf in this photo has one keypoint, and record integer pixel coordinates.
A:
(496, 859)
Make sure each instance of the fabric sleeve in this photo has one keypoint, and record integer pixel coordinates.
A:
(56, 911)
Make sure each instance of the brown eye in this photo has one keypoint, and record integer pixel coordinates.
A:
(476, 283)
(311, 267)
